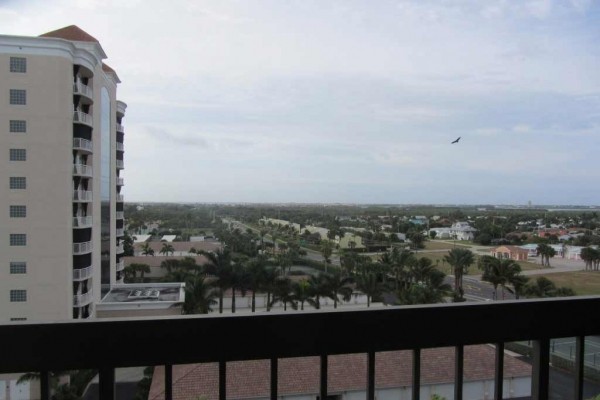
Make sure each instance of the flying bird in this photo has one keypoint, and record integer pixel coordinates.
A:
(456, 141)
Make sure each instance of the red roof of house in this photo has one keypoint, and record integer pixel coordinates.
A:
(248, 379)
(73, 33)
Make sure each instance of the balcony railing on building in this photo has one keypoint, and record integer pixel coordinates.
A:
(173, 340)
(83, 145)
(82, 222)
(120, 182)
(120, 249)
(83, 170)
(120, 198)
(120, 214)
(83, 273)
(120, 128)
(81, 300)
(82, 248)
(120, 232)
(120, 146)
(83, 90)
(120, 265)
(83, 118)
(82, 195)
(120, 164)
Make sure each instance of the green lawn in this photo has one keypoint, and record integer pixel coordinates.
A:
(582, 282)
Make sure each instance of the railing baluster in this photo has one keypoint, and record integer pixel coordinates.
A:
(499, 373)
(222, 380)
(44, 385)
(107, 383)
(541, 369)
(459, 356)
(371, 375)
(416, 384)
(168, 381)
(274, 378)
(323, 386)
(579, 368)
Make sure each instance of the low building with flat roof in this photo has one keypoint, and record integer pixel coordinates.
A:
(142, 300)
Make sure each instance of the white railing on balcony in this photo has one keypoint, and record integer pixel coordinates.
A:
(82, 144)
(83, 118)
(120, 198)
(120, 232)
(120, 164)
(82, 222)
(83, 273)
(82, 248)
(120, 128)
(120, 266)
(82, 195)
(120, 249)
(84, 90)
(120, 214)
(120, 146)
(83, 170)
(80, 300)
(120, 182)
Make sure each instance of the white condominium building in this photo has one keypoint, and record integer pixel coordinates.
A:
(61, 159)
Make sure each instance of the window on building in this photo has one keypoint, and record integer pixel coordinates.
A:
(18, 64)
(18, 267)
(18, 239)
(18, 97)
(18, 155)
(18, 295)
(18, 319)
(18, 182)
(18, 211)
(18, 126)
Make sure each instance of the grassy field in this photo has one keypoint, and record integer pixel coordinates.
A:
(436, 245)
(582, 282)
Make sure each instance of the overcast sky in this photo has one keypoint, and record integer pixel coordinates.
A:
(349, 101)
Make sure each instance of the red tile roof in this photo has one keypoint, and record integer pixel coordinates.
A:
(73, 33)
(248, 379)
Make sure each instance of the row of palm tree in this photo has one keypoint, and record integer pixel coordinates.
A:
(591, 257)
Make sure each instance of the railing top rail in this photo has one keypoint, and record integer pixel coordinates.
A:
(174, 340)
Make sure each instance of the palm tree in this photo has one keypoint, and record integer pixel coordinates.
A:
(301, 292)
(147, 250)
(546, 252)
(370, 285)
(590, 255)
(219, 264)
(460, 260)
(499, 272)
(326, 250)
(402, 259)
(199, 296)
(256, 273)
(137, 267)
(282, 291)
(317, 289)
(166, 249)
(336, 286)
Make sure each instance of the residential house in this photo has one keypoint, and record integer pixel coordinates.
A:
(510, 252)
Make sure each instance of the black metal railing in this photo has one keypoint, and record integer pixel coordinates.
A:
(106, 344)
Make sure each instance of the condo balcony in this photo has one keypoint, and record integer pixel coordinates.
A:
(120, 164)
(120, 266)
(83, 145)
(120, 128)
(83, 273)
(82, 196)
(120, 198)
(120, 249)
(120, 182)
(83, 170)
(120, 214)
(82, 248)
(82, 300)
(272, 339)
(120, 232)
(83, 90)
(120, 146)
(82, 222)
(82, 118)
